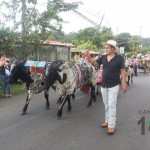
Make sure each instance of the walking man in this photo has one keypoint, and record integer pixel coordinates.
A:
(113, 67)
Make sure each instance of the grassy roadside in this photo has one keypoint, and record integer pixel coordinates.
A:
(15, 89)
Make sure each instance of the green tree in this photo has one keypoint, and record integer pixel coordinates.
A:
(145, 42)
(134, 43)
(70, 37)
(123, 39)
(88, 45)
(88, 35)
(8, 40)
(145, 50)
(34, 22)
(47, 20)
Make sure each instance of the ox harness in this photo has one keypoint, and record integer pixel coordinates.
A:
(83, 73)
(37, 73)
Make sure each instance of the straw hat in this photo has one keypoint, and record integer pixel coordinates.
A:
(112, 43)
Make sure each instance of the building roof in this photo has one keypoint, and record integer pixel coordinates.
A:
(56, 43)
(83, 50)
(77, 50)
(94, 52)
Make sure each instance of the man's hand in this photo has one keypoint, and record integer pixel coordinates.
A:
(123, 77)
(88, 57)
(124, 88)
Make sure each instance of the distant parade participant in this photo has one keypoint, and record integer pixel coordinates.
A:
(148, 56)
(135, 65)
(127, 62)
(81, 59)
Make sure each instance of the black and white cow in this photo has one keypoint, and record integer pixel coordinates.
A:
(58, 75)
(35, 82)
(77, 76)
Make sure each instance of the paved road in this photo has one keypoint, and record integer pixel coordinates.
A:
(80, 130)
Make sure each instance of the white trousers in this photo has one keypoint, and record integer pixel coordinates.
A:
(109, 96)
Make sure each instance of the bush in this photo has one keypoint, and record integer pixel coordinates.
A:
(130, 54)
(145, 50)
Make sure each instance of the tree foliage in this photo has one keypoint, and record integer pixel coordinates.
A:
(91, 37)
(134, 43)
(46, 20)
(47, 24)
(145, 42)
(123, 39)
(145, 50)
(8, 39)
(35, 25)
(88, 45)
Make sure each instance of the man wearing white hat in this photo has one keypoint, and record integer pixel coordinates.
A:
(113, 67)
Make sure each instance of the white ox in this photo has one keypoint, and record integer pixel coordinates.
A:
(129, 72)
(79, 76)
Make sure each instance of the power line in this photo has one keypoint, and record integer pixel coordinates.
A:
(89, 20)
(95, 24)
(98, 28)
(90, 12)
(44, 4)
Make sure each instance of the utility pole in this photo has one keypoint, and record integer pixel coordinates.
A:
(98, 28)
(117, 36)
(23, 20)
(91, 21)
(140, 40)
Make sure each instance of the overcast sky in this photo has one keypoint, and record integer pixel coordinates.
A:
(131, 16)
